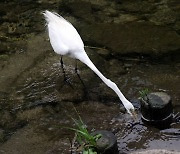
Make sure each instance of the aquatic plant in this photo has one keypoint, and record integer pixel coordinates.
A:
(143, 94)
(83, 140)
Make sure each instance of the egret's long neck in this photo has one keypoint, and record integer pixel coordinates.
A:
(85, 59)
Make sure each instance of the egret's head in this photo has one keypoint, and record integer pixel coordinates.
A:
(130, 109)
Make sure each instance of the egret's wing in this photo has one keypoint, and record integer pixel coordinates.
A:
(63, 36)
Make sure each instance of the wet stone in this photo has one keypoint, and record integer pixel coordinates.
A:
(107, 143)
(156, 108)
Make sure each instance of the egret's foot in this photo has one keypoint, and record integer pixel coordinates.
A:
(76, 71)
(67, 81)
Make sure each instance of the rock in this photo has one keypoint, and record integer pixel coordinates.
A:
(109, 11)
(104, 53)
(137, 6)
(72, 7)
(24, 141)
(156, 151)
(124, 18)
(157, 109)
(35, 49)
(163, 17)
(91, 11)
(31, 114)
(138, 38)
(107, 143)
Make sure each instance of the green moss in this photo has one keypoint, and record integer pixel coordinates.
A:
(4, 57)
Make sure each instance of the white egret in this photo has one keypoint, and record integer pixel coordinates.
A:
(65, 40)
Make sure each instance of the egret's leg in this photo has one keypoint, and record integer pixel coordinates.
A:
(76, 71)
(66, 79)
(63, 70)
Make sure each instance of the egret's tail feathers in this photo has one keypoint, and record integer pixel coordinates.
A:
(52, 16)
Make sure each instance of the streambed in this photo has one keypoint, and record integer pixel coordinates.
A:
(35, 102)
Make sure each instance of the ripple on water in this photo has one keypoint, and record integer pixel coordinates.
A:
(136, 137)
(39, 86)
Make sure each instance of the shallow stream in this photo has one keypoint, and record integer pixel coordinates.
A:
(35, 102)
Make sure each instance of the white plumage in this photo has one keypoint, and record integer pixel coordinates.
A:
(65, 40)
